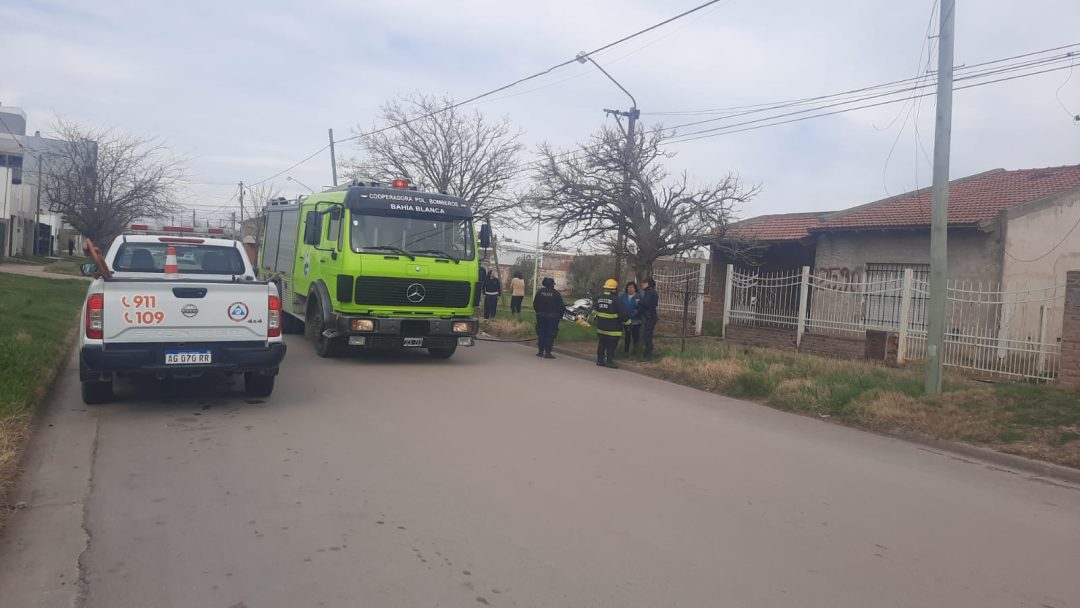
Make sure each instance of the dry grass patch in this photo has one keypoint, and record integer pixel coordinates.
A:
(800, 395)
(940, 418)
(710, 375)
(1038, 421)
(509, 328)
(13, 432)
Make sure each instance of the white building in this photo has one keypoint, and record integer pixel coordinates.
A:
(21, 156)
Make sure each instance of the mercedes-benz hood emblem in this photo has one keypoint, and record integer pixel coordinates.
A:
(415, 293)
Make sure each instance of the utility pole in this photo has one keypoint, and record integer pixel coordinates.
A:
(37, 216)
(536, 262)
(193, 218)
(241, 202)
(939, 226)
(631, 165)
(333, 158)
(630, 161)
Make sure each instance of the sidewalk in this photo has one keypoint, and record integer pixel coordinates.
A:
(36, 271)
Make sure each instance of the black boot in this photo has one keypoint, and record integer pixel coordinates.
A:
(548, 355)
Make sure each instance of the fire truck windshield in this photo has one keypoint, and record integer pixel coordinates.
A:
(451, 238)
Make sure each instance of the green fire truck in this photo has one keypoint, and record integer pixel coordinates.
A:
(377, 266)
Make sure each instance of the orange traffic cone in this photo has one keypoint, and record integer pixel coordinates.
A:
(172, 271)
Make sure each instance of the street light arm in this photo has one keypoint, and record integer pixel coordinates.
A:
(582, 58)
(293, 179)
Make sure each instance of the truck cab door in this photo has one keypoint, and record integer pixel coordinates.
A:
(330, 248)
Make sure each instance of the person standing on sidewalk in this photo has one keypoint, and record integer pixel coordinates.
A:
(492, 291)
(650, 300)
(611, 320)
(548, 305)
(517, 293)
(631, 299)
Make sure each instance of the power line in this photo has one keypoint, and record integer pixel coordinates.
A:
(842, 97)
(731, 112)
(495, 90)
(1057, 93)
(13, 135)
(1052, 249)
(729, 129)
(922, 72)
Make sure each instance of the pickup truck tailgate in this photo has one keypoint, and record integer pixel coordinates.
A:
(180, 311)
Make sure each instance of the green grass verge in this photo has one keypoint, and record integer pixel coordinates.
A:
(523, 327)
(70, 266)
(1038, 421)
(37, 318)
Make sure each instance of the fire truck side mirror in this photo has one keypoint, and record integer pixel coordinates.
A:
(312, 228)
(485, 236)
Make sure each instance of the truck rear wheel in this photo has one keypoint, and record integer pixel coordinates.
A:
(258, 385)
(94, 393)
(442, 353)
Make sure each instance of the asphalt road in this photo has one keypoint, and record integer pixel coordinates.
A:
(501, 479)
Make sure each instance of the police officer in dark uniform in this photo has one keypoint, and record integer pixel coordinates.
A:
(549, 308)
(611, 320)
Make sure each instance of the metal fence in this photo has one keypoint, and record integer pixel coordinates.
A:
(1009, 332)
(1012, 332)
(765, 299)
(674, 286)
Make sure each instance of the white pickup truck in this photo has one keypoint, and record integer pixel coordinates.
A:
(144, 315)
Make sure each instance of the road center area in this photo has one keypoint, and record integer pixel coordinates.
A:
(496, 478)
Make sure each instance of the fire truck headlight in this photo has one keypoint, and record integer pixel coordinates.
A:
(362, 325)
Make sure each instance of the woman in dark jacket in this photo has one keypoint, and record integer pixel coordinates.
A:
(631, 299)
(492, 291)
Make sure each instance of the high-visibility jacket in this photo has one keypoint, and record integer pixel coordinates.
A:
(611, 314)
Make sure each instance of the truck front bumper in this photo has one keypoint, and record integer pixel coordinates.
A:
(100, 363)
(402, 332)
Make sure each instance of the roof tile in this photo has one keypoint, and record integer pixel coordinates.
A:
(971, 199)
(783, 227)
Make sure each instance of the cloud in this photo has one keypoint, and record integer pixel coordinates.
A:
(247, 88)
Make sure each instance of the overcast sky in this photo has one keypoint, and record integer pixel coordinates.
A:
(247, 88)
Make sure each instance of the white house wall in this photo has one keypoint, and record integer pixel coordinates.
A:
(842, 256)
(1042, 244)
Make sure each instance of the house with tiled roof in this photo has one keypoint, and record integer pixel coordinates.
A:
(1012, 228)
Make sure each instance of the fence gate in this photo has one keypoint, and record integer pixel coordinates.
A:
(769, 299)
(674, 286)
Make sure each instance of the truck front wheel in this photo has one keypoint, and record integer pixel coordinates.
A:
(94, 393)
(442, 353)
(258, 385)
(313, 327)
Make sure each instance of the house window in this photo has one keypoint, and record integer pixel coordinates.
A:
(15, 163)
(884, 295)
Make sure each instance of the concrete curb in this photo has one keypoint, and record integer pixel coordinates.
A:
(960, 451)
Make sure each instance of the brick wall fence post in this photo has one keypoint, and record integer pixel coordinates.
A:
(1069, 365)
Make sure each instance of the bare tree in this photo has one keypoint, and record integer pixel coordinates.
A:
(259, 196)
(583, 194)
(441, 148)
(102, 180)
